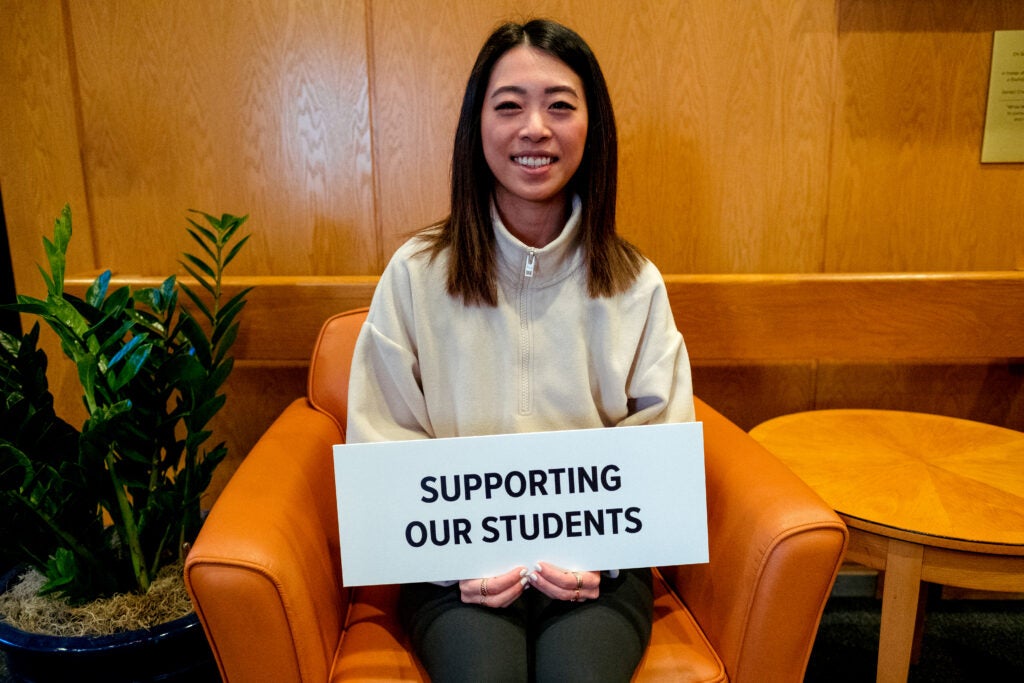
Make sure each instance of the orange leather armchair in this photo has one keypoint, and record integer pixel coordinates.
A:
(265, 573)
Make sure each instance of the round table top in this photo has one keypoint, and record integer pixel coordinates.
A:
(940, 477)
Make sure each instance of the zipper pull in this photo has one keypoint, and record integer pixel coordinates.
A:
(531, 260)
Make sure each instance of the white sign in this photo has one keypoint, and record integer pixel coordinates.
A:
(461, 508)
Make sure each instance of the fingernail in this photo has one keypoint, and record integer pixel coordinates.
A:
(533, 577)
(537, 568)
(525, 581)
(524, 572)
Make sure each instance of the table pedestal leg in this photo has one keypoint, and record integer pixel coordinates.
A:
(900, 594)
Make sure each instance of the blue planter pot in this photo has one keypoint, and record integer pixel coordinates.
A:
(175, 651)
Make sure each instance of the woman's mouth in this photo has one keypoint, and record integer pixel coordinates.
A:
(533, 161)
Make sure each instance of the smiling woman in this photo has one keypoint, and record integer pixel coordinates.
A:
(524, 311)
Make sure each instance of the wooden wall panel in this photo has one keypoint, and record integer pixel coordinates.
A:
(909, 191)
(40, 167)
(256, 107)
(991, 392)
(749, 394)
(40, 161)
(723, 111)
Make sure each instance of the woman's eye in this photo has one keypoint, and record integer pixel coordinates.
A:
(563, 105)
(506, 106)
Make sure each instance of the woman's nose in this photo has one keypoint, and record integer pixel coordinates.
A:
(535, 127)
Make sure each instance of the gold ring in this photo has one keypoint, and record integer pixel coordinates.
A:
(579, 582)
(576, 597)
(483, 589)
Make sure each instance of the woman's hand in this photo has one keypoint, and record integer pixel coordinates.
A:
(495, 591)
(561, 584)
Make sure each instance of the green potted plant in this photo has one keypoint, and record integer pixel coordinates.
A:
(104, 509)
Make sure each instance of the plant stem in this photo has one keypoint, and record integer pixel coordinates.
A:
(131, 530)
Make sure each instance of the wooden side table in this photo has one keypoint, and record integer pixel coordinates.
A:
(926, 498)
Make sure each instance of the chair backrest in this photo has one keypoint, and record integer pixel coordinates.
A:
(327, 385)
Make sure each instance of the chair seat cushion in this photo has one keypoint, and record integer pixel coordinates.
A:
(375, 647)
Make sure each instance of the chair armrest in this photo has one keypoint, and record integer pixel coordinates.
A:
(775, 549)
(265, 572)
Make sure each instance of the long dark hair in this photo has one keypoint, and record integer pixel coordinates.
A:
(612, 263)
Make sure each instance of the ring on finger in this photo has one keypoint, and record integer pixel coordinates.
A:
(483, 588)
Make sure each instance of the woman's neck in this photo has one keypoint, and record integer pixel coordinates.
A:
(535, 224)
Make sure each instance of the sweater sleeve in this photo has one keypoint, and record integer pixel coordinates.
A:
(385, 398)
(661, 386)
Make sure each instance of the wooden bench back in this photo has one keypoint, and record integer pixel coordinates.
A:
(900, 317)
(945, 317)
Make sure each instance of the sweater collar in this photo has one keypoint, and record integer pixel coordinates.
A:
(550, 263)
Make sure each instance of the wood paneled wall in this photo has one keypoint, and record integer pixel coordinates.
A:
(764, 136)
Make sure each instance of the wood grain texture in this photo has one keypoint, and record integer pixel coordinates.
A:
(908, 190)
(930, 479)
(258, 108)
(850, 317)
(724, 117)
(40, 168)
(40, 162)
(752, 392)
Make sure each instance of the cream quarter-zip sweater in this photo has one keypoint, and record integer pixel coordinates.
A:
(547, 357)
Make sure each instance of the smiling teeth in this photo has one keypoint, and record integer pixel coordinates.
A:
(533, 162)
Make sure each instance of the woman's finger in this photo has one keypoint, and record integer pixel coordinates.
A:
(564, 584)
(494, 591)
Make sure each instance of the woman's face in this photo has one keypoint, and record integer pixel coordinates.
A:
(533, 127)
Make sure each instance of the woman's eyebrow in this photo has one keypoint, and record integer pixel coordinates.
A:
(519, 90)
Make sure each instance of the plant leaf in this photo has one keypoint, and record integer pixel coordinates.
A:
(199, 278)
(201, 265)
(197, 339)
(234, 250)
(200, 304)
(98, 290)
(203, 242)
(224, 343)
(205, 232)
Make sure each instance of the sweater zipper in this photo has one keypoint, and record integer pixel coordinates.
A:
(525, 350)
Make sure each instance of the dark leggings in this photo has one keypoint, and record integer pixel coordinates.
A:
(535, 638)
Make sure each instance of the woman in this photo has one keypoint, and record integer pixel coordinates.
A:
(524, 311)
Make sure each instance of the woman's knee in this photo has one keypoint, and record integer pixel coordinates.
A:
(602, 640)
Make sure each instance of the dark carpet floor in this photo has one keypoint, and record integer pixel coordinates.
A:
(964, 640)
